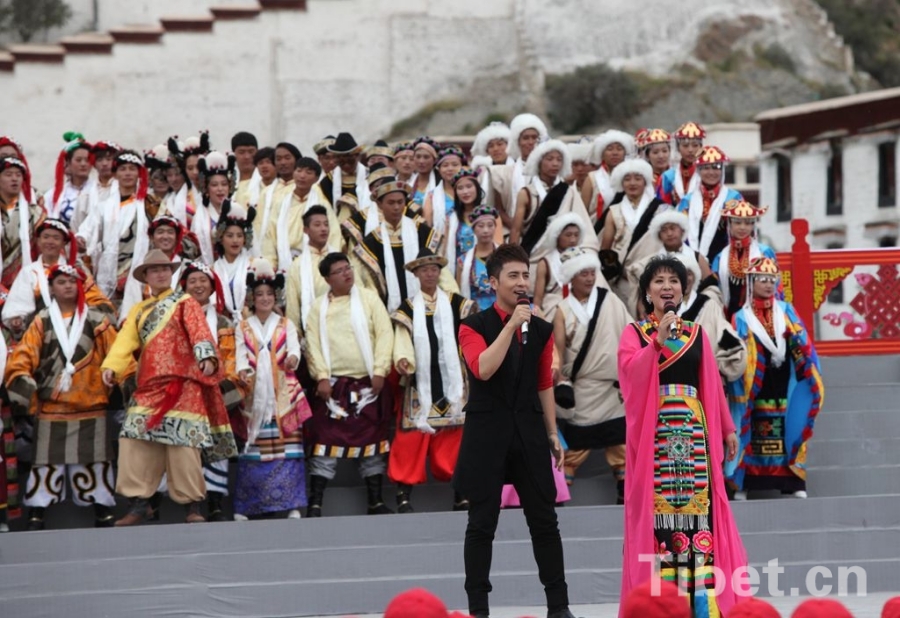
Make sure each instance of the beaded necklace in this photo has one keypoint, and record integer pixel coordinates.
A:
(762, 308)
(679, 325)
(709, 196)
(738, 259)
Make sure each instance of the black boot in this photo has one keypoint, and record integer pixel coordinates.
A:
(620, 492)
(459, 503)
(36, 518)
(214, 506)
(317, 485)
(404, 493)
(373, 492)
(153, 505)
(103, 516)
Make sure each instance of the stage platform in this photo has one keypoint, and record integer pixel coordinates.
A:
(348, 563)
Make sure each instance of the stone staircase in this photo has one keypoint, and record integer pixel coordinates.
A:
(350, 564)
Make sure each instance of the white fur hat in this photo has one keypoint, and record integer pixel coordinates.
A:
(669, 216)
(555, 227)
(690, 262)
(611, 137)
(631, 166)
(541, 150)
(519, 124)
(576, 259)
(580, 151)
(495, 130)
(480, 161)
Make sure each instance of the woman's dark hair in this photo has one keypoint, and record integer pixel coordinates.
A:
(263, 154)
(330, 260)
(503, 255)
(460, 208)
(656, 265)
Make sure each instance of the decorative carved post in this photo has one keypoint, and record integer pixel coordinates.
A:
(802, 272)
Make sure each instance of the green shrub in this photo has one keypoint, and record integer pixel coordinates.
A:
(589, 96)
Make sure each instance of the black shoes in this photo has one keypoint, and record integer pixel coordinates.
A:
(317, 485)
(563, 613)
(404, 492)
(373, 493)
(36, 518)
(103, 516)
(214, 506)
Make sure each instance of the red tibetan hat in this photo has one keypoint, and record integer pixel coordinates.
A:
(762, 266)
(639, 138)
(690, 130)
(712, 155)
(742, 209)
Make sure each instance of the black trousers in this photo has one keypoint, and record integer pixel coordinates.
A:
(546, 543)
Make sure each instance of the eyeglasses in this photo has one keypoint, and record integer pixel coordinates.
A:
(341, 271)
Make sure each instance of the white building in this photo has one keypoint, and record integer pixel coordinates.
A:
(740, 141)
(834, 163)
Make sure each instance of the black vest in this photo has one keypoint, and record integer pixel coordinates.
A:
(513, 387)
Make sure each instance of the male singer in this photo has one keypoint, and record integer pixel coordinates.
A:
(509, 431)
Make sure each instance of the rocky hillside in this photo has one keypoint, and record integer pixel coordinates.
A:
(741, 62)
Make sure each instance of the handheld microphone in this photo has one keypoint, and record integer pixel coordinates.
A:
(523, 300)
(670, 307)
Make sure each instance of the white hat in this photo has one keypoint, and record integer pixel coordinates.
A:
(532, 166)
(556, 225)
(576, 259)
(495, 130)
(580, 150)
(690, 263)
(631, 166)
(480, 161)
(669, 216)
(519, 124)
(611, 137)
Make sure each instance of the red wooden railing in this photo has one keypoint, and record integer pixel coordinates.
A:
(871, 325)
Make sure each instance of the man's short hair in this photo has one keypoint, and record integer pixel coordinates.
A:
(503, 255)
(318, 209)
(295, 152)
(263, 154)
(243, 138)
(308, 163)
(330, 260)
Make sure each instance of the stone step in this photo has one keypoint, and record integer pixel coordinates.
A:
(321, 562)
(856, 398)
(754, 517)
(828, 481)
(836, 425)
(289, 594)
(858, 453)
(857, 370)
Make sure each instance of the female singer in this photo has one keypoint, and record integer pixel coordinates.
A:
(677, 419)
